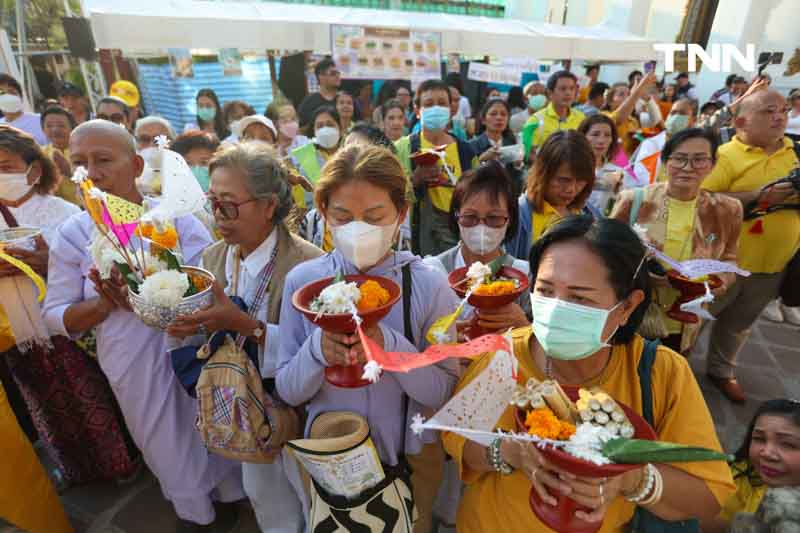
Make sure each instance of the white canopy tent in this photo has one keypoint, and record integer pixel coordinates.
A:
(147, 26)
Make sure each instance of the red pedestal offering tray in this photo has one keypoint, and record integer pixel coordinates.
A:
(478, 301)
(341, 375)
(690, 290)
(561, 517)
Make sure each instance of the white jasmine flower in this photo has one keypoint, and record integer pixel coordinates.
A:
(478, 272)
(372, 371)
(97, 194)
(587, 443)
(165, 288)
(79, 175)
(416, 424)
(104, 255)
(337, 298)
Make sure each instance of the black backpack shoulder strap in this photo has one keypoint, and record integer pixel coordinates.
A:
(645, 379)
(407, 331)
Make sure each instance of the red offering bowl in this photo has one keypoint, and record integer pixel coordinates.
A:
(427, 158)
(689, 290)
(561, 517)
(339, 375)
(457, 283)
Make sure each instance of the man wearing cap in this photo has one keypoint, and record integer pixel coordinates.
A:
(255, 128)
(128, 93)
(14, 114)
(71, 98)
(685, 89)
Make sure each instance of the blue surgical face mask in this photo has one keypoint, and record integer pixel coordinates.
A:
(206, 114)
(201, 175)
(568, 331)
(537, 101)
(435, 118)
(676, 123)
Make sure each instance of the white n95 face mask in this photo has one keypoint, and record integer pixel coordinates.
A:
(14, 186)
(10, 103)
(363, 244)
(327, 137)
(482, 239)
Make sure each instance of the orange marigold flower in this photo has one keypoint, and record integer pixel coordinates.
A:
(145, 230)
(372, 296)
(496, 288)
(544, 424)
(167, 238)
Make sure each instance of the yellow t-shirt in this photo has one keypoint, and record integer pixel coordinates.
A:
(494, 502)
(625, 131)
(743, 168)
(442, 196)
(747, 497)
(550, 122)
(541, 222)
(677, 245)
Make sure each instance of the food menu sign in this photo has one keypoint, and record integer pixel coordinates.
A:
(363, 52)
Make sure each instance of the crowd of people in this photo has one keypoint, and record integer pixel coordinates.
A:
(571, 185)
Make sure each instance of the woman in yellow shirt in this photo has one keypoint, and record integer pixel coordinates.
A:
(559, 184)
(621, 106)
(768, 458)
(685, 223)
(590, 289)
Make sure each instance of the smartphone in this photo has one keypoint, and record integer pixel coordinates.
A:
(649, 67)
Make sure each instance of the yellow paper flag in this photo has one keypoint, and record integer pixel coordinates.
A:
(28, 271)
(438, 331)
(122, 211)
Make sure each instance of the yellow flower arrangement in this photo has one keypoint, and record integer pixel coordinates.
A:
(372, 296)
(496, 288)
(544, 424)
(167, 239)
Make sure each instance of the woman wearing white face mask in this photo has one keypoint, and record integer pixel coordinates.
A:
(484, 213)
(13, 108)
(81, 432)
(284, 117)
(308, 160)
(589, 295)
(363, 194)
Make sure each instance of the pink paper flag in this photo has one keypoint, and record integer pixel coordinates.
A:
(123, 231)
(406, 361)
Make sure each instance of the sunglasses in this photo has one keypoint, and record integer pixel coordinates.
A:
(227, 210)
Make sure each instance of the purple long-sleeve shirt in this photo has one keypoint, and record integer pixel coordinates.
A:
(301, 364)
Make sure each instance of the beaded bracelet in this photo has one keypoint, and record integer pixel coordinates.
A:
(658, 490)
(496, 460)
(645, 486)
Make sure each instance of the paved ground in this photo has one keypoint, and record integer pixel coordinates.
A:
(770, 368)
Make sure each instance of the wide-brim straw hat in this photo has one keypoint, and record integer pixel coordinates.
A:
(334, 432)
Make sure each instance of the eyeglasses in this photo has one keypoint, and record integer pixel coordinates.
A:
(493, 221)
(227, 210)
(697, 163)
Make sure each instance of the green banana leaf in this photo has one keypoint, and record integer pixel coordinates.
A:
(173, 264)
(129, 277)
(339, 277)
(635, 451)
(496, 265)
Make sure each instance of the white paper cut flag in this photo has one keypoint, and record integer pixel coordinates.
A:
(475, 410)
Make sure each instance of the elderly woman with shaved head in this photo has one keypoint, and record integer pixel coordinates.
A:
(157, 410)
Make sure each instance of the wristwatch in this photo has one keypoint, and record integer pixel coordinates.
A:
(259, 332)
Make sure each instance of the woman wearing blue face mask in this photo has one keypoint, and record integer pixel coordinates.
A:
(589, 295)
(362, 193)
(209, 115)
